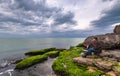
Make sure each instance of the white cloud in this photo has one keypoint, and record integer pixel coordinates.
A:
(85, 11)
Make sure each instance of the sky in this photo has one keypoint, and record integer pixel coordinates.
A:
(58, 18)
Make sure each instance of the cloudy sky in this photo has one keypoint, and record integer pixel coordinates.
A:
(58, 18)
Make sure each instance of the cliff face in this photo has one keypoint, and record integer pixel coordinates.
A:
(108, 41)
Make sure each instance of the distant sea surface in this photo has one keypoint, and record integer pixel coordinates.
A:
(12, 47)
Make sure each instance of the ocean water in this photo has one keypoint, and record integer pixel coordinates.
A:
(10, 47)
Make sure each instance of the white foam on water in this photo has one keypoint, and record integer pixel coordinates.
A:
(7, 71)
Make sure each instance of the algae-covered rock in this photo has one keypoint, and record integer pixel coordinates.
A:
(39, 52)
(30, 61)
(80, 45)
(116, 69)
(64, 65)
(52, 54)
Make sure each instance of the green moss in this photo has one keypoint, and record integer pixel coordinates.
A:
(117, 68)
(65, 66)
(52, 54)
(30, 61)
(80, 45)
(39, 52)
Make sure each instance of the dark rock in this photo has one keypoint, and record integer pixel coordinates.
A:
(108, 41)
(16, 61)
(117, 29)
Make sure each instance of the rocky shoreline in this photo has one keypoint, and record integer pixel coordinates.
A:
(69, 62)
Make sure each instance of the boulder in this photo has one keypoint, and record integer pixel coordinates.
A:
(107, 41)
(117, 29)
(112, 55)
(99, 63)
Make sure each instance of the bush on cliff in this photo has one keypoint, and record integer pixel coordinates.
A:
(65, 66)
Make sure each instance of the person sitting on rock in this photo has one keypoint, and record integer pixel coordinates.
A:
(94, 47)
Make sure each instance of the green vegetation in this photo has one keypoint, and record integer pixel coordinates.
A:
(52, 54)
(37, 56)
(39, 52)
(117, 68)
(65, 66)
(80, 45)
(30, 61)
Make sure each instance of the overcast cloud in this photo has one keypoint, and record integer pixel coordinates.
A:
(57, 18)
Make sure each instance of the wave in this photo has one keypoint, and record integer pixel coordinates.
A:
(9, 71)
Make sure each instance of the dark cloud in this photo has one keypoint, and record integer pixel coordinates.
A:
(64, 18)
(27, 16)
(106, 0)
(110, 17)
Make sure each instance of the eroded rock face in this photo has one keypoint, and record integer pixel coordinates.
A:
(104, 65)
(108, 41)
(117, 29)
(112, 55)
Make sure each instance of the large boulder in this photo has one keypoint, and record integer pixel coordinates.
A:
(117, 29)
(108, 41)
(99, 63)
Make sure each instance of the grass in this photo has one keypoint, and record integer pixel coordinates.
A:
(65, 66)
(31, 61)
(39, 52)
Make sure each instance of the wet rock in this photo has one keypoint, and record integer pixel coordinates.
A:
(5, 64)
(16, 61)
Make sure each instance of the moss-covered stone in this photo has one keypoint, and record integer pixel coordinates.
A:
(65, 66)
(30, 61)
(80, 45)
(52, 54)
(116, 68)
(39, 52)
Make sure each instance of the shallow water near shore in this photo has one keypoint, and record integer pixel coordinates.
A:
(14, 48)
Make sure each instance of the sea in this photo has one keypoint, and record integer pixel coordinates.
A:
(11, 48)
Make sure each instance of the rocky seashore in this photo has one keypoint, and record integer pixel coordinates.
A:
(109, 60)
(68, 62)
